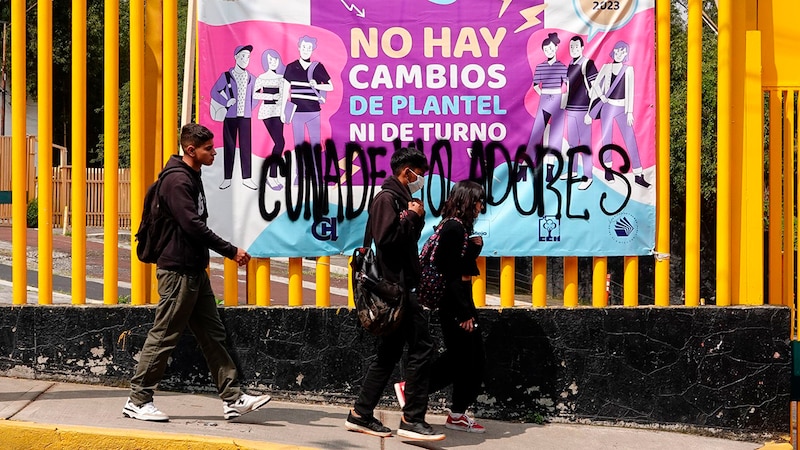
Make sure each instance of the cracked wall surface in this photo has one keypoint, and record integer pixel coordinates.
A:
(707, 367)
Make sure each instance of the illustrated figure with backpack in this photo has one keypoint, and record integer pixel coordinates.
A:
(186, 298)
(448, 261)
(395, 223)
(581, 73)
(612, 94)
(310, 84)
(234, 90)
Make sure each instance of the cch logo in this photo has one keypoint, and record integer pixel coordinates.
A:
(325, 229)
(549, 229)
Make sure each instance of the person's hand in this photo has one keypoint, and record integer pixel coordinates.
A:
(313, 83)
(587, 119)
(416, 206)
(276, 96)
(468, 325)
(231, 102)
(477, 240)
(630, 119)
(242, 257)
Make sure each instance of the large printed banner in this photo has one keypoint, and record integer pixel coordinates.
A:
(550, 106)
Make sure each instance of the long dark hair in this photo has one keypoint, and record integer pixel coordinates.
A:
(461, 202)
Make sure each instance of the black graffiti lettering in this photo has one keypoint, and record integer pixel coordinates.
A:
(571, 158)
(445, 173)
(605, 163)
(491, 152)
(522, 164)
(555, 172)
(272, 160)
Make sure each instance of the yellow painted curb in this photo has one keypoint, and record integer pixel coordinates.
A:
(27, 435)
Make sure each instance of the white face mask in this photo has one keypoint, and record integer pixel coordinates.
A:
(417, 184)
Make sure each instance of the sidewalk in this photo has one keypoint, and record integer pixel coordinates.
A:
(43, 414)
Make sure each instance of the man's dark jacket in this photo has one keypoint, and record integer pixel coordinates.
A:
(396, 231)
(185, 200)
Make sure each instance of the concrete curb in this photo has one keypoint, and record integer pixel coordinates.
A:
(26, 435)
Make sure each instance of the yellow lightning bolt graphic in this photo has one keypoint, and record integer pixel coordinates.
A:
(504, 7)
(530, 17)
(342, 165)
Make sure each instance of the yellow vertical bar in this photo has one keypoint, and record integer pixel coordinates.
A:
(295, 281)
(170, 82)
(599, 272)
(111, 158)
(19, 155)
(775, 196)
(250, 275)
(724, 119)
(571, 281)
(262, 282)
(231, 282)
(693, 132)
(751, 260)
(631, 283)
(323, 279)
(44, 66)
(507, 281)
(479, 283)
(79, 152)
(351, 302)
(539, 281)
(663, 68)
(788, 198)
(139, 294)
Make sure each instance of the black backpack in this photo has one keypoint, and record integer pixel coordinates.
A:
(155, 229)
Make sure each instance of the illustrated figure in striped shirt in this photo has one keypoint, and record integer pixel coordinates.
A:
(581, 73)
(548, 79)
(617, 98)
(310, 83)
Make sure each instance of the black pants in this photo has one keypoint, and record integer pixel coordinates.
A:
(275, 128)
(231, 128)
(414, 331)
(462, 364)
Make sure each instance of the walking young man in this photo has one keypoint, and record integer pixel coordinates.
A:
(396, 221)
(184, 287)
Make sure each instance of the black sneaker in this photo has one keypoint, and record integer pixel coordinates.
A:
(418, 430)
(367, 425)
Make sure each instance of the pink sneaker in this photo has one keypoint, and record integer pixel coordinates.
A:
(400, 391)
(464, 423)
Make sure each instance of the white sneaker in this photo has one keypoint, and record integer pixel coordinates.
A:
(585, 184)
(248, 183)
(148, 411)
(243, 405)
(225, 184)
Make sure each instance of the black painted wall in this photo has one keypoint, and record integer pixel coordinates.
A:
(707, 367)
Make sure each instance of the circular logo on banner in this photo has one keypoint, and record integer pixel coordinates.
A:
(622, 228)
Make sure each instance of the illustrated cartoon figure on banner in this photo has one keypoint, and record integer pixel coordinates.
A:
(310, 84)
(613, 103)
(272, 88)
(548, 79)
(581, 73)
(234, 89)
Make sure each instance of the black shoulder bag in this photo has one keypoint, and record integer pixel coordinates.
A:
(379, 303)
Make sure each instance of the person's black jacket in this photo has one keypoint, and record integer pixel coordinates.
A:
(456, 304)
(184, 201)
(396, 230)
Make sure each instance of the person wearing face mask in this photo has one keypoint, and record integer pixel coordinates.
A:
(395, 221)
(463, 361)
